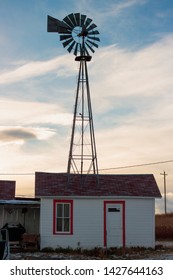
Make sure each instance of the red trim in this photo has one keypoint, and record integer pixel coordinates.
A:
(54, 216)
(123, 220)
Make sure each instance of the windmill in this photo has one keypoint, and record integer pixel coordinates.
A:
(79, 35)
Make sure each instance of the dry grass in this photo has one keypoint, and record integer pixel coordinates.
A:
(164, 226)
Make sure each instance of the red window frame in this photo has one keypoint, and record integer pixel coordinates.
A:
(60, 201)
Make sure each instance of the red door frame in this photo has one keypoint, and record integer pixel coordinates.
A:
(123, 220)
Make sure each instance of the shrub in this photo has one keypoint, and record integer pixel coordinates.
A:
(164, 226)
(47, 249)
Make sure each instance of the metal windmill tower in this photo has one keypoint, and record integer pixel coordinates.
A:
(79, 35)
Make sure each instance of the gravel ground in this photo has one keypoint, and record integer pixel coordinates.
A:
(52, 256)
(163, 251)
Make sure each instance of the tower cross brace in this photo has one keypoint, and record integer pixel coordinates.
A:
(82, 154)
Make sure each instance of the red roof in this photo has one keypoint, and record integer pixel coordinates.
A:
(62, 184)
(7, 189)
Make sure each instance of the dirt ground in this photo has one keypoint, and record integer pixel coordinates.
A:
(163, 251)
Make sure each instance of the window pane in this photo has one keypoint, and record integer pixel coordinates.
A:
(66, 225)
(66, 210)
(59, 224)
(59, 210)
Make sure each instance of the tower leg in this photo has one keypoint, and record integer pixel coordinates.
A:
(82, 155)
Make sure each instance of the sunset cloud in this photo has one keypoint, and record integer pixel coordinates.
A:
(20, 135)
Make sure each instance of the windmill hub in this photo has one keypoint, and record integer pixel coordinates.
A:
(76, 33)
(84, 33)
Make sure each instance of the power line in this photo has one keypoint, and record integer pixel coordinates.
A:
(104, 169)
(137, 165)
(17, 174)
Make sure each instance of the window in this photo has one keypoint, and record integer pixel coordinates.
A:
(63, 216)
(114, 209)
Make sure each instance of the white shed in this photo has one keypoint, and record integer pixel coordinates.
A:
(119, 211)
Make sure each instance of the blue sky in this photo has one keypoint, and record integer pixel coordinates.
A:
(130, 79)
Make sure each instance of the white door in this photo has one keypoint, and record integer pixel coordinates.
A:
(114, 225)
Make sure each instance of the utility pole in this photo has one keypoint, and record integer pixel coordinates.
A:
(164, 178)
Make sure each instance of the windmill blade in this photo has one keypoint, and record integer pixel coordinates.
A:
(68, 21)
(83, 18)
(92, 43)
(71, 46)
(66, 43)
(76, 49)
(80, 48)
(88, 21)
(72, 18)
(93, 32)
(92, 26)
(65, 37)
(94, 38)
(77, 18)
(90, 47)
(86, 51)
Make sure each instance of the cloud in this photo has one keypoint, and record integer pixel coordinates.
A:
(144, 72)
(106, 9)
(130, 92)
(132, 103)
(123, 5)
(33, 113)
(20, 135)
(160, 203)
(28, 70)
(61, 118)
(13, 134)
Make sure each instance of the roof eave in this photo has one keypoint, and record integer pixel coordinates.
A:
(97, 197)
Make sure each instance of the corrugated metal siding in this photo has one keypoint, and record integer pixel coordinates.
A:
(88, 224)
(14, 216)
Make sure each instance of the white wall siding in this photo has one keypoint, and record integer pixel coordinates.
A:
(88, 223)
(46, 223)
(140, 222)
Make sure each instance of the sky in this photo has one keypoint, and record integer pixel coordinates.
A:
(130, 81)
